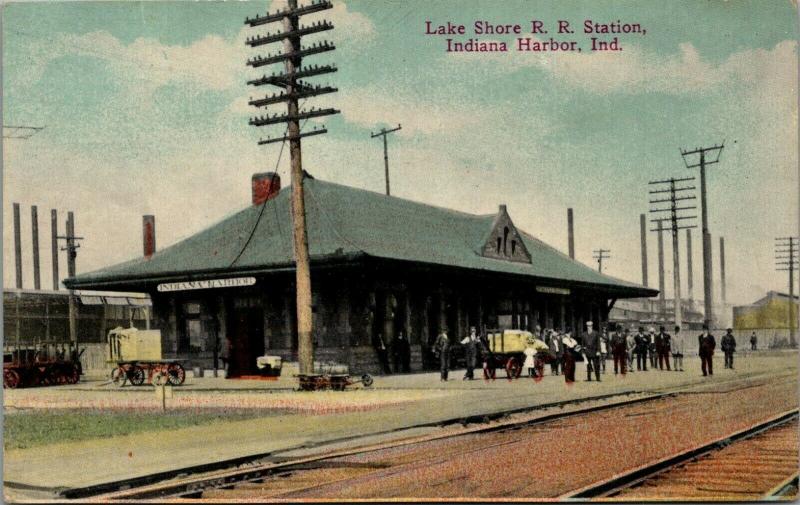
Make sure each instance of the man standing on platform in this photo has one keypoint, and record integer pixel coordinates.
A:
(556, 351)
(663, 341)
(706, 345)
(753, 342)
(630, 345)
(441, 350)
(642, 344)
(678, 347)
(402, 353)
(728, 345)
(591, 349)
(619, 350)
(652, 348)
(470, 343)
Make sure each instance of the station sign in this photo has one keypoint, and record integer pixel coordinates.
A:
(232, 282)
(552, 291)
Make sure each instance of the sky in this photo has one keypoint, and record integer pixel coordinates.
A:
(145, 112)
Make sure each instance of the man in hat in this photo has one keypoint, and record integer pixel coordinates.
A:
(591, 349)
(441, 350)
(556, 351)
(402, 353)
(652, 349)
(619, 349)
(630, 345)
(706, 344)
(642, 343)
(471, 343)
(663, 340)
(728, 345)
(753, 342)
(570, 353)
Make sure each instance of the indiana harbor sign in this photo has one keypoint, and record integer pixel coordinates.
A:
(232, 282)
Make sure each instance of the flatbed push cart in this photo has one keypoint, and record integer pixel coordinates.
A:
(136, 355)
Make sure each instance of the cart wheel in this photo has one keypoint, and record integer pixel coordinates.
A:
(367, 380)
(118, 376)
(176, 374)
(489, 372)
(10, 379)
(136, 376)
(512, 368)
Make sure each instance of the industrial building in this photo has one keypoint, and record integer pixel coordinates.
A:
(380, 265)
(768, 317)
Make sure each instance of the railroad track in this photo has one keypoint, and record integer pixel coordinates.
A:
(756, 463)
(195, 484)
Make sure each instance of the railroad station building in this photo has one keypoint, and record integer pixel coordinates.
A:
(379, 265)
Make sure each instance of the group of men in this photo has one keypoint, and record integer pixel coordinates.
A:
(400, 349)
(594, 347)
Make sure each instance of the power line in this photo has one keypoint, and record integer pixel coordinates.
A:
(600, 255)
(384, 133)
(20, 132)
(293, 89)
(701, 157)
(677, 191)
(787, 254)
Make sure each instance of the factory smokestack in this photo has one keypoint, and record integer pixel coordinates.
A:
(149, 235)
(571, 233)
(265, 185)
(17, 247)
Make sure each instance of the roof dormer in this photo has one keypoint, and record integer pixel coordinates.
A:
(504, 241)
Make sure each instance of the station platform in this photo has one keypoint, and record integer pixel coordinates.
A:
(301, 423)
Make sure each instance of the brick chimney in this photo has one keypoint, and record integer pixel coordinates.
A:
(149, 235)
(265, 186)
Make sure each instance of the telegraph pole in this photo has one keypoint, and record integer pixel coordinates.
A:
(786, 260)
(643, 234)
(72, 253)
(383, 133)
(690, 278)
(702, 162)
(675, 193)
(292, 90)
(600, 255)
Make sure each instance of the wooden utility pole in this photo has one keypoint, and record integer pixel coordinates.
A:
(722, 270)
(674, 209)
(703, 162)
(72, 253)
(786, 260)
(600, 255)
(292, 90)
(690, 277)
(384, 133)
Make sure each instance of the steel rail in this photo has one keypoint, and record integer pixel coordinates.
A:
(223, 476)
(609, 487)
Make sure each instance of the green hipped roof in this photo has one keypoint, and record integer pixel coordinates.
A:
(345, 222)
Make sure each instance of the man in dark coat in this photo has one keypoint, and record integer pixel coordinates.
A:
(706, 345)
(591, 349)
(753, 342)
(402, 353)
(642, 343)
(663, 342)
(728, 345)
(556, 351)
(652, 348)
(383, 353)
(441, 350)
(619, 350)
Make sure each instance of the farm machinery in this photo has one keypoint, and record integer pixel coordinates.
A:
(41, 364)
(137, 356)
